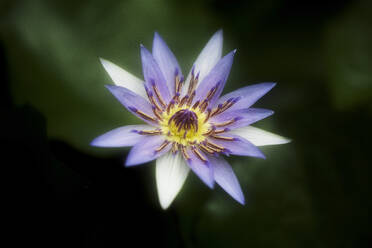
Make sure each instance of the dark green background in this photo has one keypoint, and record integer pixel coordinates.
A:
(313, 192)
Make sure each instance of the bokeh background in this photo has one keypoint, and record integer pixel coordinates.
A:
(313, 192)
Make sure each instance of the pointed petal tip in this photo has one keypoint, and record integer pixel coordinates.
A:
(211, 184)
(93, 143)
(102, 60)
(218, 33)
(270, 85)
(262, 156)
(110, 87)
(239, 198)
(164, 205)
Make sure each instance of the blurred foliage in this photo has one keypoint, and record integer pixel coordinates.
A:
(314, 192)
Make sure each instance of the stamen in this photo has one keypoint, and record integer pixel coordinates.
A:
(184, 153)
(143, 115)
(210, 131)
(214, 146)
(216, 110)
(178, 82)
(185, 119)
(208, 115)
(174, 147)
(195, 105)
(204, 105)
(206, 149)
(152, 99)
(157, 114)
(183, 100)
(213, 91)
(221, 131)
(170, 105)
(189, 101)
(224, 138)
(226, 105)
(199, 154)
(149, 132)
(222, 124)
(193, 82)
(157, 93)
(162, 146)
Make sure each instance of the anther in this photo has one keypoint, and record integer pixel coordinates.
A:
(214, 146)
(162, 146)
(206, 149)
(199, 154)
(222, 124)
(189, 101)
(183, 100)
(224, 138)
(157, 114)
(170, 105)
(208, 115)
(184, 153)
(149, 132)
(174, 147)
(196, 104)
(157, 93)
(221, 131)
(143, 115)
(210, 131)
(204, 105)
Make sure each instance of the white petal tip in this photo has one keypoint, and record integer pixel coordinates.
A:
(165, 204)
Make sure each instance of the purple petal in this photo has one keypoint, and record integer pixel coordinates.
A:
(153, 74)
(202, 169)
(217, 76)
(145, 150)
(207, 59)
(242, 117)
(247, 96)
(225, 177)
(239, 146)
(166, 60)
(121, 136)
(132, 102)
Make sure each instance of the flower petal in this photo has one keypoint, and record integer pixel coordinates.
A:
(238, 146)
(145, 150)
(260, 137)
(241, 117)
(153, 75)
(207, 59)
(225, 177)
(133, 102)
(166, 60)
(123, 78)
(203, 170)
(247, 96)
(121, 136)
(216, 78)
(171, 173)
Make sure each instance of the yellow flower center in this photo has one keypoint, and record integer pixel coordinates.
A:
(184, 125)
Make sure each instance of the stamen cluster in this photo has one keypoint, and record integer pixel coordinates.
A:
(187, 123)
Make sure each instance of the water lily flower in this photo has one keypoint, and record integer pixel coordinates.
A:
(189, 126)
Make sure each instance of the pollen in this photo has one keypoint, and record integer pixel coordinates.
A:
(184, 125)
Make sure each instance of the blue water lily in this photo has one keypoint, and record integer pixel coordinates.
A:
(189, 126)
